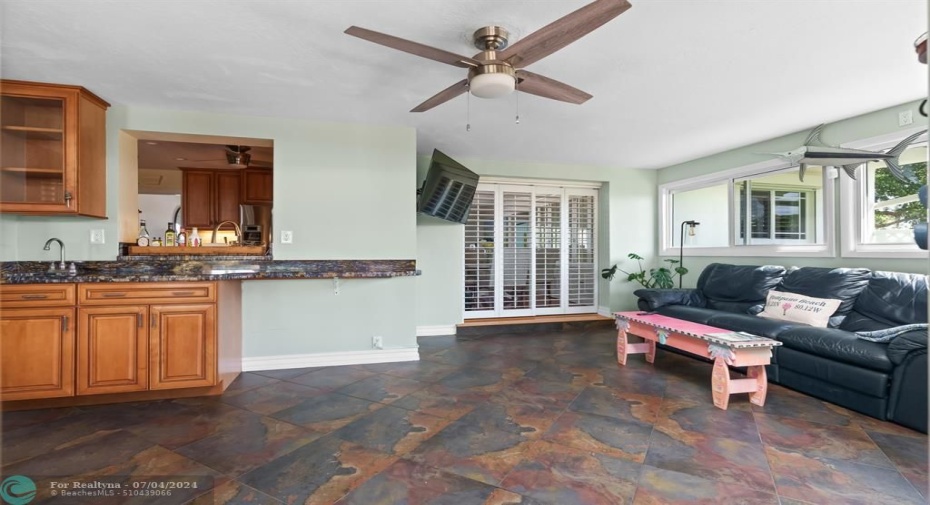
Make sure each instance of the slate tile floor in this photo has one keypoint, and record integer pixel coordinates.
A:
(547, 418)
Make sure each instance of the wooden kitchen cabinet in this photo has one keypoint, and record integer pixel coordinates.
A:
(180, 333)
(52, 149)
(112, 349)
(37, 341)
(257, 186)
(209, 197)
(88, 343)
(183, 346)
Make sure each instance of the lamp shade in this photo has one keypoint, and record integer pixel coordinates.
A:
(492, 85)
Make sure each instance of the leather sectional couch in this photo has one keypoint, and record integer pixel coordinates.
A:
(883, 380)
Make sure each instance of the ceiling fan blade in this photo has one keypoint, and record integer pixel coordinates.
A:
(443, 96)
(545, 87)
(414, 48)
(562, 32)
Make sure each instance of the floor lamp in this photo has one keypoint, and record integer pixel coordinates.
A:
(681, 244)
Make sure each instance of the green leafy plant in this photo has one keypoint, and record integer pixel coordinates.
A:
(662, 277)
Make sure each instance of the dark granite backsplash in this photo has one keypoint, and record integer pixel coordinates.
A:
(166, 269)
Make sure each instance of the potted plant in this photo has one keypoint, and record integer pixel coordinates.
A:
(662, 277)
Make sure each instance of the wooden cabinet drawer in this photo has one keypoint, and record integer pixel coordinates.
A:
(146, 292)
(36, 295)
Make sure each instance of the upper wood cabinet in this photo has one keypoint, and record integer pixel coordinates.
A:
(209, 197)
(52, 150)
(257, 184)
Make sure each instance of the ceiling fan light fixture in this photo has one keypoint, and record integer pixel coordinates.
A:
(238, 159)
(492, 81)
(238, 156)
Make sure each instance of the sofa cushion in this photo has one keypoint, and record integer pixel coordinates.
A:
(838, 345)
(844, 284)
(890, 299)
(769, 328)
(799, 308)
(736, 288)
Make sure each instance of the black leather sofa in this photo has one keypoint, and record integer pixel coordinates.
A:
(883, 380)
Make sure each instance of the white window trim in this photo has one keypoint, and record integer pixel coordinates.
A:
(852, 211)
(666, 247)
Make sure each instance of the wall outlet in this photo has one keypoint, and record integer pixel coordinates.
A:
(287, 237)
(905, 118)
(96, 236)
(377, 342)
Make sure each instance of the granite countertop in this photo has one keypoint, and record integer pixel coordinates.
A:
(162, 269)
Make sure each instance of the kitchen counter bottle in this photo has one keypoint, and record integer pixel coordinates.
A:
(194, 238)
(170, 235)
(182, 238)
(143, 239)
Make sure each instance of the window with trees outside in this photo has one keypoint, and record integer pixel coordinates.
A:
(882, 210)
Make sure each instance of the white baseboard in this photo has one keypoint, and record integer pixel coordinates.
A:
(330, 359)
(435, 331)
(605, 311)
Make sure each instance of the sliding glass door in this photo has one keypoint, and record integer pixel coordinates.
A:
(530, 250)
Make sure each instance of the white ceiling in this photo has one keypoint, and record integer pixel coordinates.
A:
(672, 80)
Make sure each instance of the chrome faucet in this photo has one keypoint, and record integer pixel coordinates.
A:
(235, 224)
(48, 247)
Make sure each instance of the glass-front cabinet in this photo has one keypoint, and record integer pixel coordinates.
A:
(52, 150)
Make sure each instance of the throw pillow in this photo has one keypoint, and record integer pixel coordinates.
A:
(799, 308)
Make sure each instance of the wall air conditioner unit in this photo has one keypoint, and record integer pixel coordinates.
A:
(448, 190)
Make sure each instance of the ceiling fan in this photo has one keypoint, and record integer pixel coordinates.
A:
(499, 69)
(237, 157)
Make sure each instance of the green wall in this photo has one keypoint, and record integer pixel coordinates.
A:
(346, 191)
(627, 223)
(866, 126)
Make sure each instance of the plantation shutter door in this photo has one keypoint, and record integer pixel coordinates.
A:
(582, 251)
(548, 221)
(516, 250)
(480, 292)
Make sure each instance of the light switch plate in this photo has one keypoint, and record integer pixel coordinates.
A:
(287, 237)
(96, 236)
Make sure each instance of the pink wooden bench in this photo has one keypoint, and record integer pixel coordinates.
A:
(725, 347)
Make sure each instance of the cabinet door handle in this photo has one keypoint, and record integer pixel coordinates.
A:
(182, 293)
(139, 320)
(113, 295)
(34, 297)
(154, 320)
(64, 324)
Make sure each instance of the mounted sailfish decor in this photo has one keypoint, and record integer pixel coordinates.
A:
(815, 152)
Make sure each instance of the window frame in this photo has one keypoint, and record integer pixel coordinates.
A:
(853, 209)
(669, 229)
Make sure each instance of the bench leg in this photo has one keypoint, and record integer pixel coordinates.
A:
(621, 347)
(625, 348)
(720, 384)
(757, 373)
(650, 351)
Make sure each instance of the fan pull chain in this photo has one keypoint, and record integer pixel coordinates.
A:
(516, 92)
(467, 108)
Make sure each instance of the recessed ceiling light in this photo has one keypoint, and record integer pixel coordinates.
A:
(180, 159)
(151, 143)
